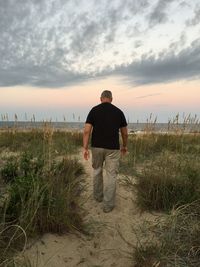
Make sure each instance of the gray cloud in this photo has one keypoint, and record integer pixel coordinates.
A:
(45, 39)
(53, 43)
(38, 76)
(159, 15)
(174, 46)
(138, 43)
(196, 19)
(184, 4)
(137, 6)
(167, 67)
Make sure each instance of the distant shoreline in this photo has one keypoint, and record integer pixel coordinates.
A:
(78, 126)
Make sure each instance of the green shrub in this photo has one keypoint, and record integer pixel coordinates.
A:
(167, 181)
(39, 200)
(45, 201)
(9, 170)
(26, 165)
(42, 193)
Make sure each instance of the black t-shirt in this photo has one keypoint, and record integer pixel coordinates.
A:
(106, 120)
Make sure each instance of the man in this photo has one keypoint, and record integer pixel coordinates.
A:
(104, 121)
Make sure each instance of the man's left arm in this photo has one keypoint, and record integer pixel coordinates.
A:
(86, 137)
(124, 134)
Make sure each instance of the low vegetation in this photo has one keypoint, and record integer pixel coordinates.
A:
(143, 147)
(171, 240)
(41, 186)
(166, 181)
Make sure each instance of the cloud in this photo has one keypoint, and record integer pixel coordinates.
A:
(150, 95)
(175, 46)
(167, 67)
(39, 77)
(159, 14)
(196, 19)
(184, 4)
(138, 43)
(55, 43)
(137, 6)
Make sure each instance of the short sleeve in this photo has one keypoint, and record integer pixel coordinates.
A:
(123, 122)
(90, 118)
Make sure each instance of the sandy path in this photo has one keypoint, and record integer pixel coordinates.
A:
(104, 247)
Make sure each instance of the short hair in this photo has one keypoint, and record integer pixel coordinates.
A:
(106, 94)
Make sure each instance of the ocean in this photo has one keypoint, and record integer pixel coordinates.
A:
(78, 126)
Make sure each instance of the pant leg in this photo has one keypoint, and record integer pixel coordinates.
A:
(111, 165)
(97, 164)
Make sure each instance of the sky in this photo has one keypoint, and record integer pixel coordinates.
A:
(57, 56)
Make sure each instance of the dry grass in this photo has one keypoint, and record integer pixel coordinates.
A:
(166, 175)
(173, 240)
(41, 191)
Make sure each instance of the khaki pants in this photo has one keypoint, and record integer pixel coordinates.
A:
(105, 189)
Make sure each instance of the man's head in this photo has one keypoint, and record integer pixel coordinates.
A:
(106, 96)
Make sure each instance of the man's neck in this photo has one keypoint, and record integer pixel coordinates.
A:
(106, 100)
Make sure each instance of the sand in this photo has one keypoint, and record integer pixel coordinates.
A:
(111, 239)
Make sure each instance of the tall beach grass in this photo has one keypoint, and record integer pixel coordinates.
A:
(41, 184)
(163, 170)
(171, 240)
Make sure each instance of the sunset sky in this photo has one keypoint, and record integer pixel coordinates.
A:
(58, 55)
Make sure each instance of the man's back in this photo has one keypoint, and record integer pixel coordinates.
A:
(106, 120)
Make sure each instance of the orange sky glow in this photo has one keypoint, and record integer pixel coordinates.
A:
(157, 99)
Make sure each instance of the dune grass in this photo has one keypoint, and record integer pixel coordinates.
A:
(168, 180)
(41, 184)
(166, 170)
(43, 187)
(38, 141)
(142, 147)
(42, 200)
(173, 239)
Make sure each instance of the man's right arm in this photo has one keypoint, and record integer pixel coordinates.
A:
(86, 137)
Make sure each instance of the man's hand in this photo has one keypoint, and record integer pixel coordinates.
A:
(123, 150)
(86, 153)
